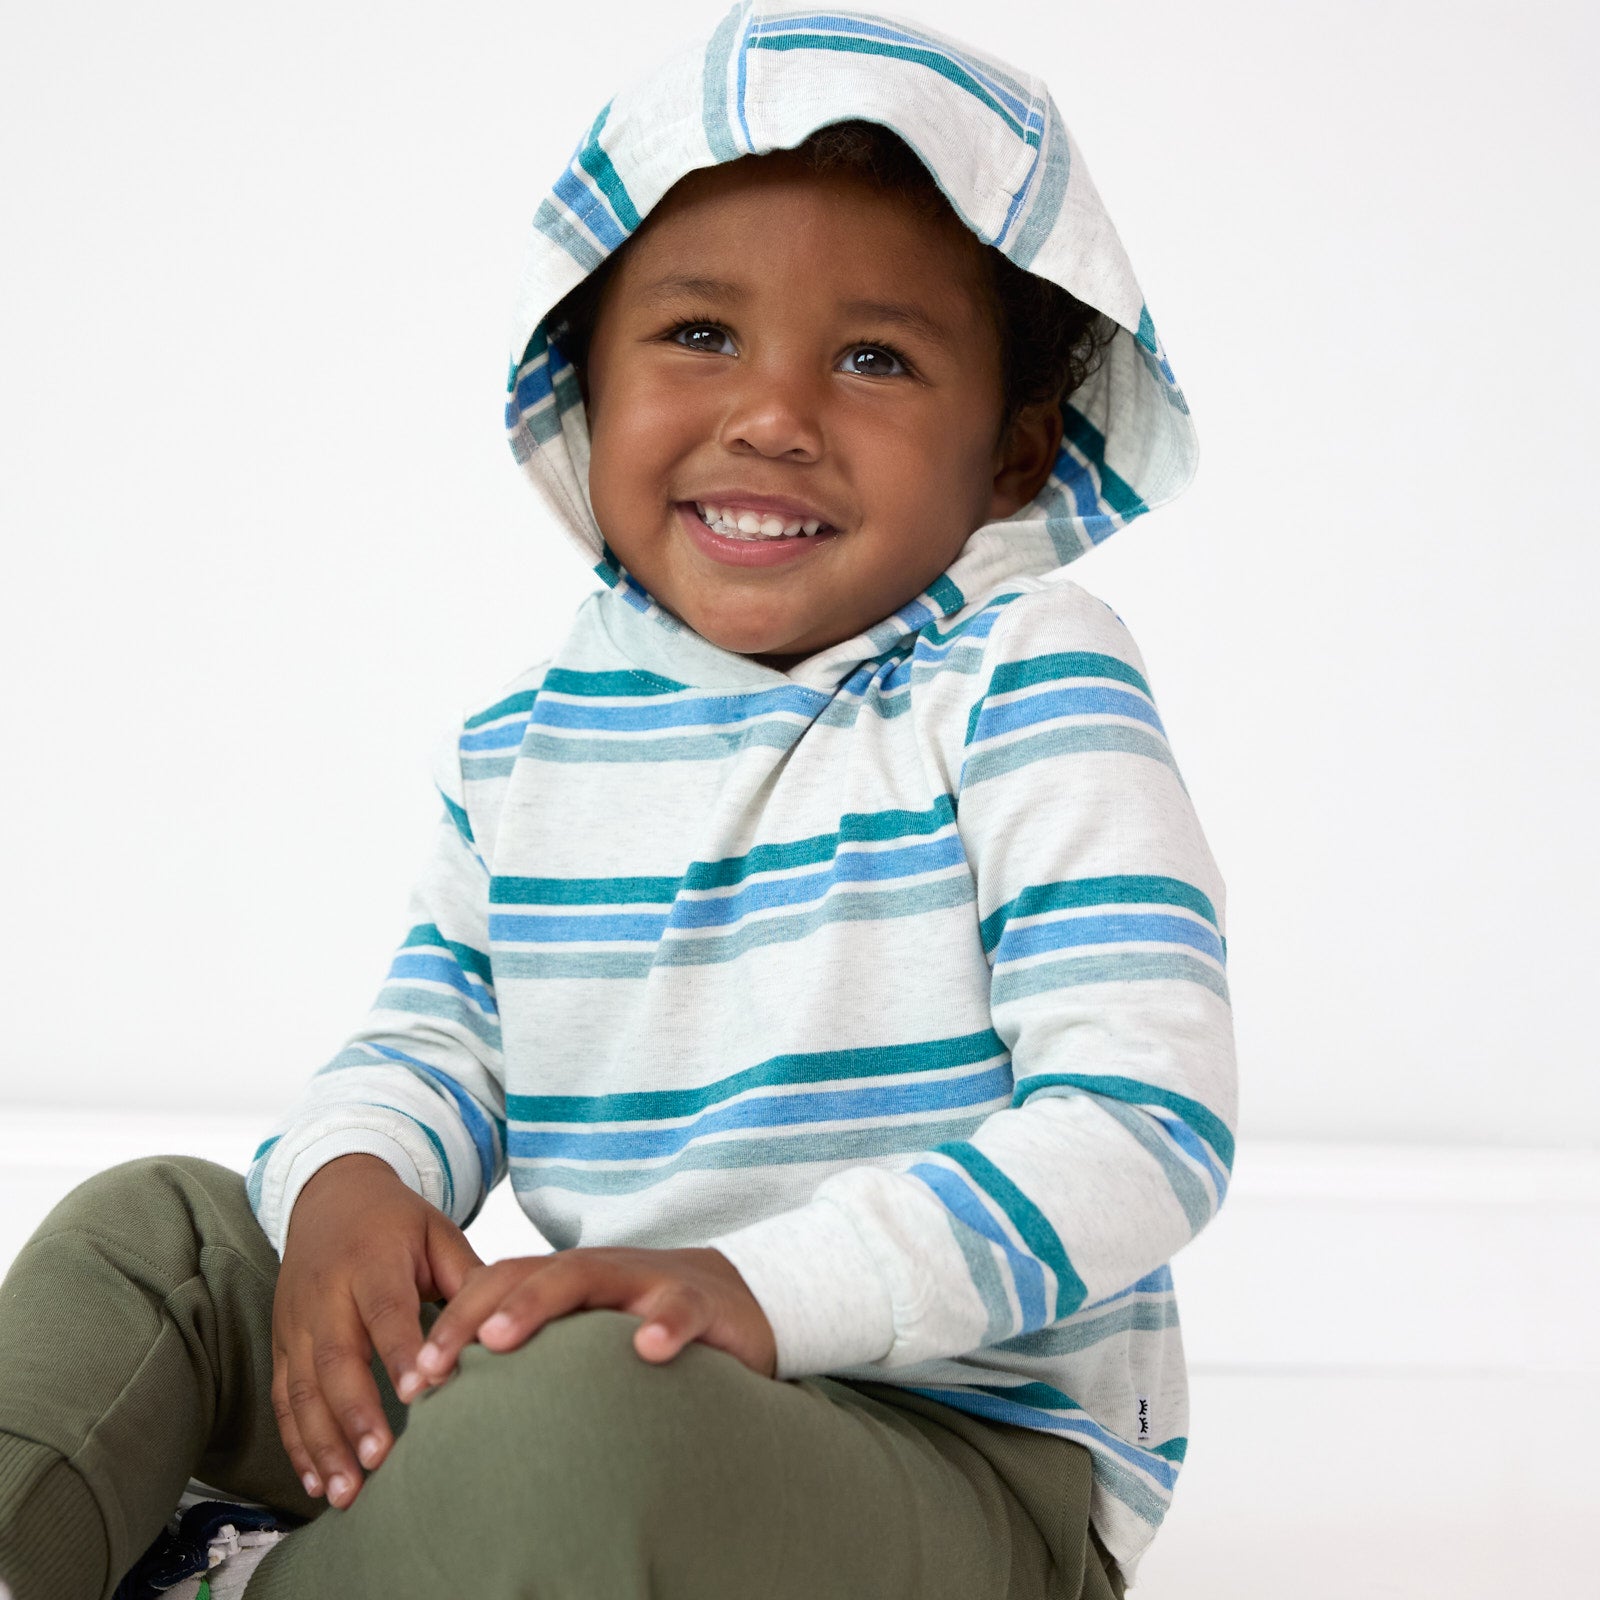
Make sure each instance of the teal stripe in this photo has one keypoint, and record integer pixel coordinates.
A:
(1056, 668)
(594, 160)
(1029, 1221)
(610, 685)
(467, 958)
(458, 815)
(945, 594)
(937, 636)
(818, 1066)
(1115, 491)
(1132, 966)
(1070, 740)
(513, 705)
(513, 891)
(855, 827)
(1205, 1123)
(943, 65)
(1073, 894)
(833, 1146)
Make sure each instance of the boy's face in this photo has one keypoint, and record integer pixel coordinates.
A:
(736, 359)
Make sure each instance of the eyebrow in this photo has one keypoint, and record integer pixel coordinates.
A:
(901, 313)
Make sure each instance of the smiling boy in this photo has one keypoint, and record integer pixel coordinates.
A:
(821, 939)
(896, 446)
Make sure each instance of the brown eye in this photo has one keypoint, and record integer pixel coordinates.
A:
(880, 362)
(691, 335)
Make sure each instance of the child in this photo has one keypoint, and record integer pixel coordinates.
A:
(822, 940)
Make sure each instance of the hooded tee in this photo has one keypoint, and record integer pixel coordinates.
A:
(899, 977)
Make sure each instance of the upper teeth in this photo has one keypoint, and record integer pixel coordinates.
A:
(735, 524)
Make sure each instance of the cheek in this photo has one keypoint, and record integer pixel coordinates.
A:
(640, 425)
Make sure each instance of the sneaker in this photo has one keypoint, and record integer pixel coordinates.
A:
(206, 1552)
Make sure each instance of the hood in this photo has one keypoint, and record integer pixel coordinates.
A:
(764, 78)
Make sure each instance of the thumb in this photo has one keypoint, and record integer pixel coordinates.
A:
(450, 1256)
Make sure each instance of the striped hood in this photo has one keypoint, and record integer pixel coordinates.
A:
(764, 78)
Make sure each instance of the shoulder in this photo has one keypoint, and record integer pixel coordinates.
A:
(1061, 673)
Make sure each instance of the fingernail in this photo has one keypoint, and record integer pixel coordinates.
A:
(430, 1356)
(312, 1483)
(497, 1325)
(339, 1486)
(410, 1382)
(370, 1449)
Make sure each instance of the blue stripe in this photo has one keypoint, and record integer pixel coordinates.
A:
(1121, 927)
(1084, 701)
(765, 1111)
(485, 1138)
(959, 1197)
(443, 969)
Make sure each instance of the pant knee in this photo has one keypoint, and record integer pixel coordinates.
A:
(589, 1454)
(160, 1211)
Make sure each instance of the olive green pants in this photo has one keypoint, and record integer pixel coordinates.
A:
(136, 1353)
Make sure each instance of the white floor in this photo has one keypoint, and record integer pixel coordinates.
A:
(1395, 1356)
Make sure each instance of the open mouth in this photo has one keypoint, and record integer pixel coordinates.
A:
(732, 523)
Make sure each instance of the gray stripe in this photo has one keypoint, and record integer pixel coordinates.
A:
(476, 769)
(986, 1279)
(939, 895)
(572, 964)
(848, 1144)
(1067, 1338)
(995, 762)
(425, 1003)
(1191, 1192)
(553, 225)
(693, 747)
(1136, 965)
(714, 87)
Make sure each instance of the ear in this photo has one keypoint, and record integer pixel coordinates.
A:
(1024, 458)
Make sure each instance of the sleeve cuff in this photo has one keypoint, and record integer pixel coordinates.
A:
(342, 1142)
(816, 1281)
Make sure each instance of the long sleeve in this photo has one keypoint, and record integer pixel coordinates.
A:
(421, 1082)
(1101, 915)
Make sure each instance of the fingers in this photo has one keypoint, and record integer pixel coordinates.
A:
(675, 1314)
(288, 1430)
(391, 1310)
(335, 1405)
(482, 1292)
(450, 1258)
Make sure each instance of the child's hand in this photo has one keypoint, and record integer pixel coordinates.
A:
(363, 1251)
(683, 1295)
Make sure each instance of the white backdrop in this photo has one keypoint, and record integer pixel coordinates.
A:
(264, 538)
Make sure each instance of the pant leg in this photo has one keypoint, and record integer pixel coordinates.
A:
(136, 1353)
(570, 1469)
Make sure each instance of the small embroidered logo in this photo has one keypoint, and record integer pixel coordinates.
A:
(1144, 1416)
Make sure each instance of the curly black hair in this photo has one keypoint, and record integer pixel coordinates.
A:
(1050, 341)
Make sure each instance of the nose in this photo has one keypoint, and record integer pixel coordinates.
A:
(774, 409)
